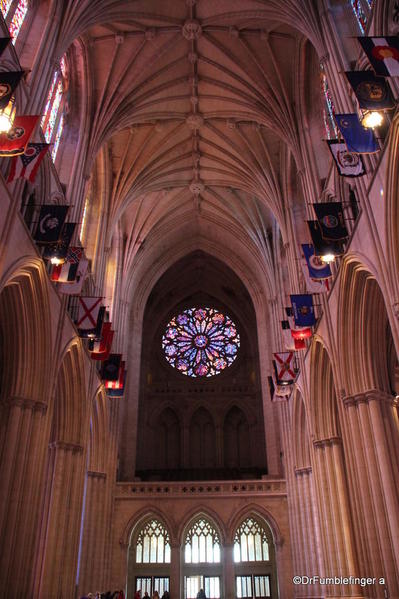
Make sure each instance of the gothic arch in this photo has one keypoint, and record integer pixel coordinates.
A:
(236, 438)
(134, 524)
(300, 432)
(202, 439)
(207, 514)
(323, 400)
(391, 192)
(363, 327)
(260, 513)
(26, 332)
(99, 432)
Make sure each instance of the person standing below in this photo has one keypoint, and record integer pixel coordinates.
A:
(166, 595)
(155, 595)
(201, 594)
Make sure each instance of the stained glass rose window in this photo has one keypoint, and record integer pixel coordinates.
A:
(201, 342)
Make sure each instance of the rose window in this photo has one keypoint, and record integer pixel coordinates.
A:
(201, 342)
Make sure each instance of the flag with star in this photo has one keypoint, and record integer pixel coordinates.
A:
(15, 141)
(26, 166)
(357, 138)
(66, 273)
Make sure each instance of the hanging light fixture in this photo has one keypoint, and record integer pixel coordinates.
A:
(328, 258)
(372, 119)
(7, 116)
(58, 256)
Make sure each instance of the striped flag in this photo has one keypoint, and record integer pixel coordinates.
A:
(26, 165)
(120, 382)
(66, 273)
(383, 54)
(102, 347)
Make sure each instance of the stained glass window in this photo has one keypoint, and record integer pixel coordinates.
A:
(83, 225)
(53, 120)
(330, 127)
(361, 9)
(202, 544)
(18, 19)
(251, 543)
(201, 342)
(5, 6)
(153, 544)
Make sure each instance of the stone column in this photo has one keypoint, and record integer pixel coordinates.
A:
(174, 582)
(337, 533)
(373, 445)
(228, 572)
(58, 551)
(20, 480)
(92, 556)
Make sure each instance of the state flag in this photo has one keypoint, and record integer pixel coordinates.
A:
(89, 310)
(371, 92)
(75, 288)
(66, 273)
(60, 248)
(25, 166)
(51, 222)
(330, 216)
(357, 138)
(4, 41)
(14, 142)
(322, 246)
(317, 269)
(301, 334)
(120, 390)
(382, 53)
(110, 369)
(102, 347)
(348, 163)
(288, 341)
(8, 82)
(118, 383)
(303, 309)
(284, 368)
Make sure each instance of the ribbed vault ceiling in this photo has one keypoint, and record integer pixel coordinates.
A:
(194, 105)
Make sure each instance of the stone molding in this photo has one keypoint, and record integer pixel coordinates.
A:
(303, 470)
(67, 446)
(321, 443)
(368, 396)
(27, 403)
(271, 488)
(94, 474)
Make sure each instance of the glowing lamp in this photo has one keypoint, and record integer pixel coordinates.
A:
(372, 119)
(7, 116)
(57, 261)
(327, 258)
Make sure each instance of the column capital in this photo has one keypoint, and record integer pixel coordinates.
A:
(67, 446)
(368, 396)
(304, 470)
(321, 443)
(95, 474)
(27, 403)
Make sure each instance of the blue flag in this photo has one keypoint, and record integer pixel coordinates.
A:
(317, 268)
(357, 138)
(302, 306)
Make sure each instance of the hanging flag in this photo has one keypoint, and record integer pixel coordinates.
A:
(316, 268)
(89, 309)
(323, 246)
(288, 340)
(314, 285)
(25, 166)
(51, 222)
(302, 306)
(371, 92)
(119, 391)
(348, 163)
(66, 273)
(8, 82)
(331, 221)
(75, 288)
(357, 138)
(383, 54)
(110, 369)
(271, 386)
(300, 334)
(14, 142)
(284, 368)
(102, 347)
(60, 248)
(118, 383)
(4, 41)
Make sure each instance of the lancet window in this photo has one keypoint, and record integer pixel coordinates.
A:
(251, 543)
(153, 544)
(330, 127)
(16, 12)
(361, 9)
(54, 113)
(202, 544)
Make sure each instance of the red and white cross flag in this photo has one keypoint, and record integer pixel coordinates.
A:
(89, 308)
(284, 367)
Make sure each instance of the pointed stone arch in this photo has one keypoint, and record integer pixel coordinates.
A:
(300, 431)
(323, 398)
(202, 439)
(236, 438)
